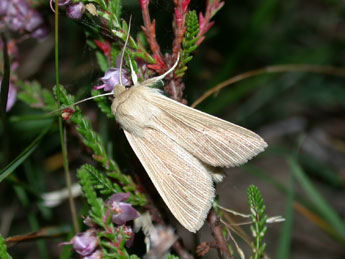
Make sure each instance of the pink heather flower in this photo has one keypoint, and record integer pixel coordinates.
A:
(17, 11)
(185, 4)
(40, 33)
(122, 211)
(20, 17)
(88, 222)
(63, 2)
(144, 3)
(129, 232)
(85, 243)
(67, 113)
(179, 17)
(3, 7)
(75, 11)
(95, 255)
(33, 21)
(60, 3)
(12, 96)
(111, 78)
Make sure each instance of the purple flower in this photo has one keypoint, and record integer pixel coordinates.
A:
(75, 11)
(85, 243)
(63, 2)
(111, 78)
(88, 222)
(40, 34)
(3, 7)
(20, 17)
(33, 21)
(95, 255)
(122, 211)
(128, 231)
(11, 98)
(17, 11)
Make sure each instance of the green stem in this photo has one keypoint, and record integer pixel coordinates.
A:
(61, 130)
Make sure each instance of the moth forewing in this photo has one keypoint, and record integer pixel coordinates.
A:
(212, 140)
(181, 179)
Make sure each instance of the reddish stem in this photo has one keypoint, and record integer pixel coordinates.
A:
(150, 32)
(204, 21)
(217, 232)
(181, 11)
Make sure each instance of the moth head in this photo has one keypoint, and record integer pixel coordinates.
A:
(118, 89)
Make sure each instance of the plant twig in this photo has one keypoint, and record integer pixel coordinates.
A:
(181, 250)
(217, 232)
(212, 8)
(179, 24)
(62, 139)
(327, 70)
(150, 32)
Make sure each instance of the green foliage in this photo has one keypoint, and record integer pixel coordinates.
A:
(3, 249)
(102, 183)
(284, 245)
(90, 180)
(115, 7)
(32, 94)
(120, 29)
(189, 41)
(15, 163)
(102, 61)
(171, 256)
(258, 227)
(97, 209)
(321, 205)
(90, 137)
(103, 104)
(94, 141)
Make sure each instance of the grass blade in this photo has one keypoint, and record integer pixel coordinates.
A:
(24, 155)
(321, 205)
(283, 251)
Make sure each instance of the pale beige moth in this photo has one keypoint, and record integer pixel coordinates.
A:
(181, 148)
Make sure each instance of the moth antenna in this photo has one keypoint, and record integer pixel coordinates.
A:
(124, 48)
(133, 74)
(161, 77)
(81, 101)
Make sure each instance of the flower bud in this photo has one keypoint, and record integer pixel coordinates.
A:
(85, 243)
(111, 78)
(122, 211)
(75, 11)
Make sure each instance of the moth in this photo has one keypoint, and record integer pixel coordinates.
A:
(181, 148)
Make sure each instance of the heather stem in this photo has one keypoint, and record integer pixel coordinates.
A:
(150, 32)
(179, 26)
(217, 232)
(61, 130)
